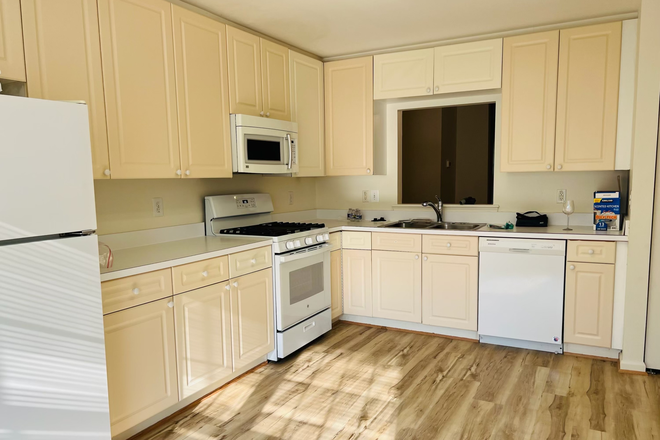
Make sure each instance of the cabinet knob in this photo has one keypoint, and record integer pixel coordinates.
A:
(571, 267)
(235, 284)
(187, 172)
(227, 287)
(368, 170)
(136, 291)
(591, 251)
(268, 114)
(261, 113)
(416, 257)
(205, 274)
(170, 304)
(428, 90)
(106, 172)
(178, 172)
(559, 167)
(548, 167)
(253, 261)
(426, 258)
(448, 245)
(437, 88)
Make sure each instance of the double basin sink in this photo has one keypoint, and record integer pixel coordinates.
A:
(430, 224)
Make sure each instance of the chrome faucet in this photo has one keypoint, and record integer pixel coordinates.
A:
(436, 207)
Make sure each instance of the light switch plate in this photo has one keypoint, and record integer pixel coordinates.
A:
(158, 206)
(374, 196)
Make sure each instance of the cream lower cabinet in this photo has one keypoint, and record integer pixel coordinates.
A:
(589, 300)
(349, 117)
(252, 317)
(203, 337)
(356, 280)
(397, 285)
(12, 61)
(141, 362)
(335, 284)
(450, 291)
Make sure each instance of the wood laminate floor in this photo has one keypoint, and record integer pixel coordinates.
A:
(361, 382)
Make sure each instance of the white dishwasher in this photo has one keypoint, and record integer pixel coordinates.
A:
(521, 292)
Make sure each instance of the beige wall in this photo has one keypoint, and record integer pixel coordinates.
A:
(126, 205)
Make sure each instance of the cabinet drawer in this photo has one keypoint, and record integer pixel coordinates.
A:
(199, 274)
(450, 245)
(356, 240)
(591, 251)
(138, 289)
(250, 261)
(384, 241)
(335, 241)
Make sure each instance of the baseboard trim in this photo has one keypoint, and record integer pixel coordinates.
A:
(412, 327)
(632, 367)
(607, 354)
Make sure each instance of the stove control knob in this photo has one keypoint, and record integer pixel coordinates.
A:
(309, 240)
(326, 236)
(289, 245)
(319, 238)
(296, 243)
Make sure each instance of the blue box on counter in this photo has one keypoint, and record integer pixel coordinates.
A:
(607, 209)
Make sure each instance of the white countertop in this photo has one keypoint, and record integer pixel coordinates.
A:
(550, 232)
(136, 260)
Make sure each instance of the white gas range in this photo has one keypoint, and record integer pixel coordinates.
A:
(301, 265)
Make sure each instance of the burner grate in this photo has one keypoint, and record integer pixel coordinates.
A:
(273, 229)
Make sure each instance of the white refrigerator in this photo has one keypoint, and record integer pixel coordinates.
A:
(53, 382)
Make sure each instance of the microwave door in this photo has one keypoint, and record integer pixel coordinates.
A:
(262, 151)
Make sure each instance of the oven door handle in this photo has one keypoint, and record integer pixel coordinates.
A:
(299, 256)
(288, 139)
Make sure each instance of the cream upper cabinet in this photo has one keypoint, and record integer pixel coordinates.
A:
(138, 74)
(587, 97)
(12, 61)
(403, 74)
(202, 92)
(450, 291)
(244, 60)
(57, 30)
(335, 284)
(397, 285)
(275, 80)
(468, 66)
(589, 304)
(141, 362)
(252, 317)
(307, 110)
(356, 280)
(349, 117)
(529, 90)
(203, 337)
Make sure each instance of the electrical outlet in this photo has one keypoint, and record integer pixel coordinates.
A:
(290, 197)
(375, 195)
(158, 206)
(365, 195)
(561, 195)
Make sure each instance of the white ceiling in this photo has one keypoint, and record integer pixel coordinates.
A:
(339, 27)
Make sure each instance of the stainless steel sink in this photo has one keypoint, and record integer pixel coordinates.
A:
(430, 224)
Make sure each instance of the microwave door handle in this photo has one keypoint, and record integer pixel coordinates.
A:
(289, 258)
(288, 139)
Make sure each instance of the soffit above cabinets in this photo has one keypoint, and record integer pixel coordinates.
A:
(342, 27)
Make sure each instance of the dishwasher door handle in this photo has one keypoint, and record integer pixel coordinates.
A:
(518, 250)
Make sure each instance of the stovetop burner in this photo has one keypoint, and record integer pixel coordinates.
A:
(273, 229)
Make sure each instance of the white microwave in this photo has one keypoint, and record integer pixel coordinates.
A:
(263, 146)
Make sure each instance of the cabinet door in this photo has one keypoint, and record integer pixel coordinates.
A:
(57, 30)
(12, 61)
(138, 75)
(244, 60)
(468, 66)
(349, 117)
(587, 97)
(335, 284)
(275, 80)
(203, 337)
(403, 74)
(397, 285)
(529, 90)
(449, 291)
(141, 361)
(356, 279)
(252, 317)
(203, 101)
(307, 110)
(589, 304)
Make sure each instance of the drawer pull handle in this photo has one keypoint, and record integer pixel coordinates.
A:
(308, 326)
(227, 287)
(170, 304)
(136, 291)
(591, 251)
(235, 284)
(253, 261)
(205, 274)
(572, 267)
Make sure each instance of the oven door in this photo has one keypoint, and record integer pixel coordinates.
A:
(265, 151)
(302, 284)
